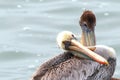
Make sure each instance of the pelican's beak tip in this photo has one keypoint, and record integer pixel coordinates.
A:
(105, 63)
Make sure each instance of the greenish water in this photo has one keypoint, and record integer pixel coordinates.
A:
(28, 30)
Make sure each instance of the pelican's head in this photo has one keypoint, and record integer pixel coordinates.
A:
(64, 39)
(67, 41)
(88, 23)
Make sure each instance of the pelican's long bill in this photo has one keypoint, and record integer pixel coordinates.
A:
(76, 46)
(88, 38)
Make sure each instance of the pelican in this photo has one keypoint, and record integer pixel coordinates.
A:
(68, 66)
(88, 23)
(78, 62)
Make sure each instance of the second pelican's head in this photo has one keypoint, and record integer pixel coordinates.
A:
(67, 41)
(88, 23)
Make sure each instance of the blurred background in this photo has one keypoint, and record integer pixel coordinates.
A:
(28, 30)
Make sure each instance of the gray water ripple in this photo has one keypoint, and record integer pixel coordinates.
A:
(29, 28)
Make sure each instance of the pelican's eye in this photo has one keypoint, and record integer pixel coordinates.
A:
(73, 37)
(85, 25)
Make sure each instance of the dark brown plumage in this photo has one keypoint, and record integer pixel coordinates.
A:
(88, 19)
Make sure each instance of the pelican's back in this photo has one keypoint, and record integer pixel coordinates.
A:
(67, 67)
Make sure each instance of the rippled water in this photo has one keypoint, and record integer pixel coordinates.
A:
(28, 30)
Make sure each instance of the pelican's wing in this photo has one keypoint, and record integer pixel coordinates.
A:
(68, 67)
(45, 67)
(76, 69)
(72, 69)
(65, 67)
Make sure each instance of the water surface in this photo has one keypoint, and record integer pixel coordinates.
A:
(29, 28)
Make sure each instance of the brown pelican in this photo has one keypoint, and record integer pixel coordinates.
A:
(78, 62)
(87, 23)
(67, 65)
